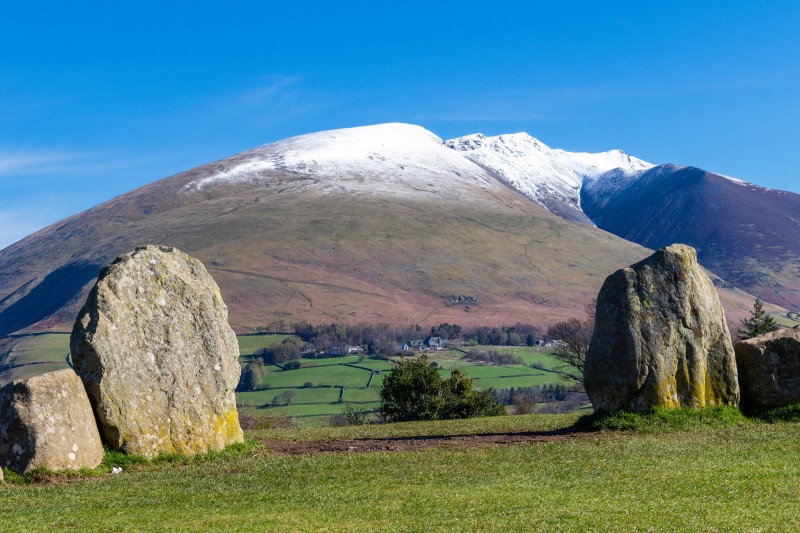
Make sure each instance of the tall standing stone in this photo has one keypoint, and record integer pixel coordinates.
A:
(660, 338)
(47, 421)
(769, 369)
(158, 358)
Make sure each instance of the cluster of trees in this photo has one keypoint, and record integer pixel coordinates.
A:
(414, 390)
(493, 356)
(280, 354)
(542, 399)
(546, 393)
(517, 335)
(252, 376)
(382, 340)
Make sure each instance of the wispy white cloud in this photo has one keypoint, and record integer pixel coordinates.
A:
(271, 100)
(17, 162)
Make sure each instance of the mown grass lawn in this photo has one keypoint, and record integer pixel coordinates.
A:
(736, 478)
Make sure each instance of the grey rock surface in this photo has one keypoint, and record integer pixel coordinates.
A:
(47, 421)
(158, 358)
(769, 369)
(660, 338)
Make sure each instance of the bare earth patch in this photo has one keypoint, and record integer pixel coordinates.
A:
(284, 447)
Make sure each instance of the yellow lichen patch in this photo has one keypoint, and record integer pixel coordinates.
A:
(227, 426)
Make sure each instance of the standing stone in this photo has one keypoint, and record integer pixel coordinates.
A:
(47, 421)
(660, 338)
(769, 369)
(158, 358)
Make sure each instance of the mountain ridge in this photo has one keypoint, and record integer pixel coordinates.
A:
(291, 232)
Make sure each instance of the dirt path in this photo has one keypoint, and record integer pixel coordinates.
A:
(282, 447)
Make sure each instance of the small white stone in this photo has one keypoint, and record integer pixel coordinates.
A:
(217, 367)
(71, 456)
(75, 447)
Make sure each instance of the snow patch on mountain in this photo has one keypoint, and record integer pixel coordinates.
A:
(381, 158)
(551, 177)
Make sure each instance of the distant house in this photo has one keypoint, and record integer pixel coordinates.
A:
(437, 342)
(336, 350)
(354, 349)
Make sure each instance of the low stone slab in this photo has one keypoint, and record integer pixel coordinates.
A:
(660, 338)
(158, 358)
(769, 369)
(47, 421)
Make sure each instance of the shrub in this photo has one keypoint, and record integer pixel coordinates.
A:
(292, 365)
(414, 390)
(351, 416)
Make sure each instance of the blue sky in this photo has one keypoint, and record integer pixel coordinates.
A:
(99, 98)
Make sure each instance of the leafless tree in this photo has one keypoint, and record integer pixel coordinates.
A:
(575, 335)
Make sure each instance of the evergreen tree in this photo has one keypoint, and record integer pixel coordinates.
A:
(759, 322)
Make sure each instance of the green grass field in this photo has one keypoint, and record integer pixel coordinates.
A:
(248, 344)
(737, 478)
(34, 355)
(783, 320)
(312, 406)
(47, 347)
(334, 375)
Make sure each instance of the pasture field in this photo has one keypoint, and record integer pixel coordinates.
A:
(312, 405)
(310, 395)
(740, 477)
(248, 344)
(33, 355)
(332, 375)
(783, 320)
(35, 348)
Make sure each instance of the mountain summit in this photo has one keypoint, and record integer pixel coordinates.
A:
(550, 177)
(385, 223)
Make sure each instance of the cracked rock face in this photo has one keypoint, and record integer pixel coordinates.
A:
(47, 421)
(769, 369)
(660, 338)
(158, 358)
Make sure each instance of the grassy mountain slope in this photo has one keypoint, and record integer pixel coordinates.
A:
(346, 225)
(295, 255)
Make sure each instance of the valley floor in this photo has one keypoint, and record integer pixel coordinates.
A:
(739, 477)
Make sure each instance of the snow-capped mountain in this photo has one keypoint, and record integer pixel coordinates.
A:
(551, 177)
(398, 160)
(390, 223)
(380, 224)
(404, 160)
